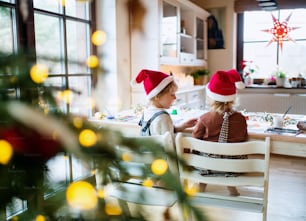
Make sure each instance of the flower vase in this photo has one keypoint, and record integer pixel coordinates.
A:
(280, 82)
(248, 81)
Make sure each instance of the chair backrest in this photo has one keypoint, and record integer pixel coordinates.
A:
(129, 189)
(250, 170)
(186, 145)
(145, 158)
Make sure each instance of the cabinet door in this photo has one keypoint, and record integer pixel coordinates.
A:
(169, 32)
(199, 39)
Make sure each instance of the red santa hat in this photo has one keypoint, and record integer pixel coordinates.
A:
(223, 85)
(153, 81)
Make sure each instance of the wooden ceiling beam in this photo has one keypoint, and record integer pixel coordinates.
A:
(252, 5)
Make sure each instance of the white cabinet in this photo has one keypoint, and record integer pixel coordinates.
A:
(183, 33)
(190, 98)
(273, 100)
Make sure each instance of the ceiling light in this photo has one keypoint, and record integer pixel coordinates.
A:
(270, 8)
(266, 4)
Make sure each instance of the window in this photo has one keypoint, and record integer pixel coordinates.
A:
(268, 57)
(61, 33)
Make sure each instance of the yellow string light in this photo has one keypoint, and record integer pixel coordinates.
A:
(39, 73)
(101, 193)
(40, 218)
(192, 190)
(159, 167)
(148, 182)
(6, 152)
(78, 122)
(87, 138)
(62, 2)
(92, 61)
(65, 96)
(15, 218)
(81, 195)
(112, 209)
(98, 38)
(127, 157)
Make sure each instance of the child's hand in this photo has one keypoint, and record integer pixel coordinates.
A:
(190, 123)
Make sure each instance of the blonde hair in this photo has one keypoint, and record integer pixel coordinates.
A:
(172, 86)
(221, 107)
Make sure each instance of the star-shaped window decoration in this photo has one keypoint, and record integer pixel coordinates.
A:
(280, 31)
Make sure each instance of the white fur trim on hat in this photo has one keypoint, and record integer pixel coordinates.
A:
(160, 87)
(218, 97)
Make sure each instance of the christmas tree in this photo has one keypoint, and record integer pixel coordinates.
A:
(33, 130)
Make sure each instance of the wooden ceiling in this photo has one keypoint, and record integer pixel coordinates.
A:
(251, 5)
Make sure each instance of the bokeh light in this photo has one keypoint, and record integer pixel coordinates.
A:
(6, 152)
(101, 193)
(159, 166)
(81, 195)
(78, 122)
(88, 138)
(39, 73)
(40, 218)
(66, 96)
(191, 190)
(127, 157)
(148, 183)
(92, 61)
(112, 209)
(98, 38)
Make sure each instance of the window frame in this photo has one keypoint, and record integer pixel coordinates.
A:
(23, 38)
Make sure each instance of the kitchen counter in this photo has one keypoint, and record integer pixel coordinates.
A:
(281, 143)
(272, 89)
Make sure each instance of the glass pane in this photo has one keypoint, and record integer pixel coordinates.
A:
(77, 9)
(48, 42)
(81, 103)
(58, 173)
(48, 5)
(200, 39)
(10, 1)
(169, 30)
(58, 82)
(15, 207)
(77, 46)
(292, 58)
(254, 23)
(263, 57)
(80, 169)
(297, 20)
(6, 31)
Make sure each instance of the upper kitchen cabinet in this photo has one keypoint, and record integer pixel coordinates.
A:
(169, 29)
(183, 33)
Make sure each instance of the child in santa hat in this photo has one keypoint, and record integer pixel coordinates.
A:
(222, 123)
(160, 89)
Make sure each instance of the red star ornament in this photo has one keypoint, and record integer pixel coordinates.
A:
(280, 31)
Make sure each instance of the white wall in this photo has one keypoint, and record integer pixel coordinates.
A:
(113, 86)
(225, 59)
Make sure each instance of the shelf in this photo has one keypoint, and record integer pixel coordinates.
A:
(185, 35)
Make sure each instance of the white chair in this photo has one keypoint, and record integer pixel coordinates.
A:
(253, 171)
(128, 187)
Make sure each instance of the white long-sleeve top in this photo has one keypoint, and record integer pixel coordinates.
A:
(161, 123)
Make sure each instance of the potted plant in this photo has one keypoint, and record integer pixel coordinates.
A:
(200, 76)
(280, 78)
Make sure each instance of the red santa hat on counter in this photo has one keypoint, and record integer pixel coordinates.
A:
(223, 85)
(153, 81)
